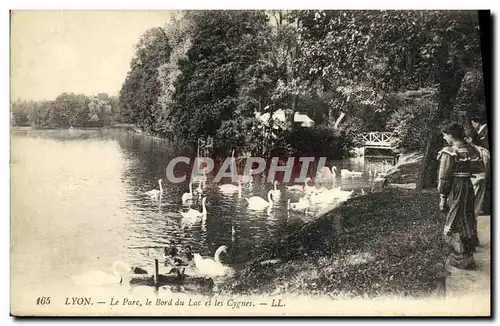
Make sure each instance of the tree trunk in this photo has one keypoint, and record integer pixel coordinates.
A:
(291, 118)
(428, 172)
(450, 79)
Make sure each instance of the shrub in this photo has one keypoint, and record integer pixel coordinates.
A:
(320, 141)
(412, 124)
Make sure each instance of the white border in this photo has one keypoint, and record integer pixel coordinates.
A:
(186, 4)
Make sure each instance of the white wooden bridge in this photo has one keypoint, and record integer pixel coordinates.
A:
(379, 140)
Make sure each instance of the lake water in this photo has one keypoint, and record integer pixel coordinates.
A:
(78, 204)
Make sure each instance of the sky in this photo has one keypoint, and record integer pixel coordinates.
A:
(85, 52)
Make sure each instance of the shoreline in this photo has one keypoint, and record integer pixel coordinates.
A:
(389, 243)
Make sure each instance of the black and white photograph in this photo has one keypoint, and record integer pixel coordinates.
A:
(250, 162)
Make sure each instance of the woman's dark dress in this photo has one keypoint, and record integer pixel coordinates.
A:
(455, 171)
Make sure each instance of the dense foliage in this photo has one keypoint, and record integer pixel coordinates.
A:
(207, 73)
(141, 89)
(67, 110)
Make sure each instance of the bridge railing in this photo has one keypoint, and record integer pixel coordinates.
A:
(380, 138)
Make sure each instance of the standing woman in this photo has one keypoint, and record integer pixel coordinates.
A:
(457, 196)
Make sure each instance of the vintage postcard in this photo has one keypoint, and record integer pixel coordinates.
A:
(250, 163)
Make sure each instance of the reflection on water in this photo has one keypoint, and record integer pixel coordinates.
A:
(78, 204)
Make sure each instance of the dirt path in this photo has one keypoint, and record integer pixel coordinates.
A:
(474, 285)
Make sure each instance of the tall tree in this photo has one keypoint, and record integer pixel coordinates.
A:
(69, 109)
(223, 47)
(140, 91)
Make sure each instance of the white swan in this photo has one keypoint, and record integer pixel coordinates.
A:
(341, 195)
(102, 278)
(276, 192)
(188, 195)
(156, 192)
(258, 203)
(212, 267)
(324, 197)
(309, 190)
(327, 175)
(344, 173)
(335, 194)
(299, 187)
(301, 205)
(230, 188)
(195, 214)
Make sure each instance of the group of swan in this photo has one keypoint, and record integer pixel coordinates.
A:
(312, 193)
(302, 188)
(324, 197)
(204, 266)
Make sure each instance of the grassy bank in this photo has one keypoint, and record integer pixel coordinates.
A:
(390, 243)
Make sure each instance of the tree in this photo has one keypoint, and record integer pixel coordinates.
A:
(368, 54)
(20, 113)
(140, 92)
(216, 68)
(101, 109)
(69, 109)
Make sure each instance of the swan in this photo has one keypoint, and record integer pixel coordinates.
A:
(156, 192)
(347, 173)
(102, 278)
(230, 188)
(213, 267)
(331, 195)
(301, 205)
(258, 203)
(188, 195)
(299, 187)
(309, 190)
(193, 213)
(341, 195)
(323, 197)
(344, 195)
(276, 192)
(327, 174)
